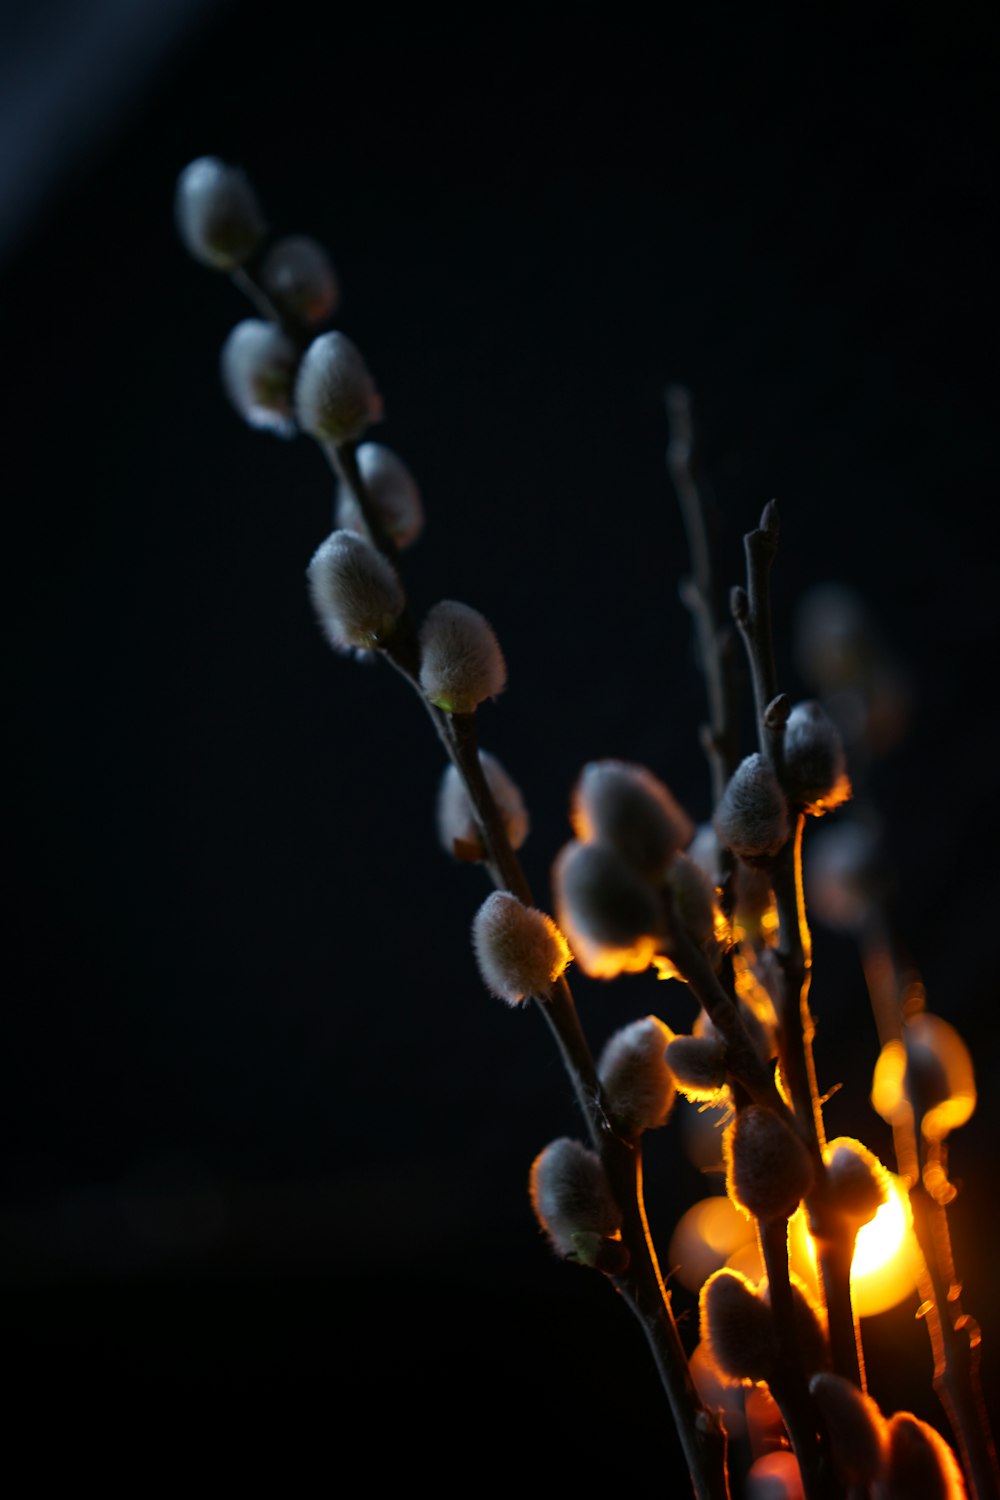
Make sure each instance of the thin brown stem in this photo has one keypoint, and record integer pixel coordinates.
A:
(751, 609)
(701, 1434)
(833, 1234)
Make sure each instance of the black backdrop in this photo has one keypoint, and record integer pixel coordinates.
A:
(267, 1138)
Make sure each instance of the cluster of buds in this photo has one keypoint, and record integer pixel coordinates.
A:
(624, 883)
(640, 886)
(902, 1458)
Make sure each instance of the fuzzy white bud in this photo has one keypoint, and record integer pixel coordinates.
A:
(335, 395)
(752, 818)
(638, 1085)
(698, 1064)
(461, 663)
(520, 950)
(356, 592)
(626, 807)
(768, 1170)
(456, 820)
(602, 903)
(392, 491)
(572, 1197)
(815, 766)
(297, 276)
(258, 369)
(218, 216)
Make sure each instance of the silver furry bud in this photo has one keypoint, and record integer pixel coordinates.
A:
(297, 276)
(461, 663)
(638, 1085)
(456, 820)
(218, 216)
(752, 818)
(768, 1170)
(392, 491)
(572, 1198)
(335, 395)
(520, 950)
(258, 369)
(607, 910)
(815, 765)
(626, 807)
(356, 592)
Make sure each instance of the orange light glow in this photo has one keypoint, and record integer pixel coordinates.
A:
(705, 1237)
(839, 793)
(883, 1272)
(601, 962)
(941, 1068)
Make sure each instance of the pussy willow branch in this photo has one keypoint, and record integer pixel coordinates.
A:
(835, 1241)
(701, 1434)
(954, 1336)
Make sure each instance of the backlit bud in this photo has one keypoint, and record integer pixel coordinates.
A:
(520, 951)
(920, 1465)
(356, 592)
(939, 1075)
(607, 910)
(859, 1184)
(218, 217)
(928, 1075)
(854, 1425)
(297, 276)
(335, 395)
(768, 1171)
(752, 818)
(461, 663)
(737, 1329)
(815, 765)
(392, 491)
(638, 1085)
(457, 826)
(627, 808)
(571, 1197)
(698, 1064)
(258, 368)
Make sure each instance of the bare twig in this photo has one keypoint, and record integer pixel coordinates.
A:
(699, 593)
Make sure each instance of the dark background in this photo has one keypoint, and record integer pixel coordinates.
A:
(267, 1139)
